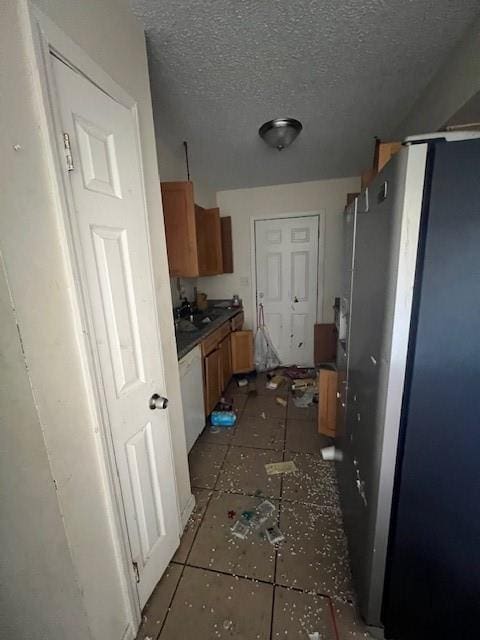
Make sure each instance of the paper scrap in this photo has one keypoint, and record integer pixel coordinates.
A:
(274, 468)
(240, 530)
(332, 453)
(281, 401)
(274, 535)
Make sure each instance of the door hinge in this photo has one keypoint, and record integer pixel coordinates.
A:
(137, 573)
(68, 152)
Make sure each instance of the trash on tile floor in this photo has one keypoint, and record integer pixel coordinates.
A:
(248, 515)
(242, 382)
(263, 415)
(223, 418)
(231, 514)
(299, 372)
(274, 535)
(240, 530)
(224, 405)
(305, 400)
(274, 468)
(262, 513)
(314, 636)
(265, 509)
(281, 401)
(332, 453)
(303, 384)
(275, 382)
(214, 429)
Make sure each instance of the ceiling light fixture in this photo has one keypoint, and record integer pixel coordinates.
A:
(281, 132)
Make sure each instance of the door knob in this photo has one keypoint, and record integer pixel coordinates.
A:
(158, 402)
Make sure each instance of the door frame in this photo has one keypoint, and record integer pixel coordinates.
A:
(321, 215)
(48, 39)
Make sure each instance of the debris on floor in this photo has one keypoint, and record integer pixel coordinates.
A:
(299, 372)
(240, 530)
(281, 401)
(275, 382)
(263, 415)
(274, 535)
(304, 384)
(305, 400)
(231, 514)
(265, 509)
(314, 636)
(242, 382)
(274, 468)
(332, 453)
(223, 418)
(252, 520)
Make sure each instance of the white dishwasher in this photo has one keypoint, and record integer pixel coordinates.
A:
(191, 383)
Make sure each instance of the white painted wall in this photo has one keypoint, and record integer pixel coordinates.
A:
(82, 590)
(39, 595)
(451, 87)
(243, 205)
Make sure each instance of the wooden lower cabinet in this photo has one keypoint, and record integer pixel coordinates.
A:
(213, 380)
(225, 353)
(225, 362)
(327, 402)
(242, 351)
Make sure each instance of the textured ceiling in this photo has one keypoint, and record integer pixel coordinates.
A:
(348, 69)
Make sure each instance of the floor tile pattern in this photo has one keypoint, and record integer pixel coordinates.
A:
(221, 586)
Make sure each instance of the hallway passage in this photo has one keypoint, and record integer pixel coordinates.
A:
(220, 586)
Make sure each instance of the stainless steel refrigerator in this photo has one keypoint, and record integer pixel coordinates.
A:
(409, 393)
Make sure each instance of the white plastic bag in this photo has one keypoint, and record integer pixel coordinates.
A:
(266, 356)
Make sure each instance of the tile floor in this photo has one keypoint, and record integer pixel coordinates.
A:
(218, 586)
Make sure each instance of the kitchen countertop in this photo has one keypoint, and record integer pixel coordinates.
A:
(187, 340)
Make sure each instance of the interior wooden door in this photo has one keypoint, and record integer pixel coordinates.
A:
(111, 237)
(212, 380)
(286, 251)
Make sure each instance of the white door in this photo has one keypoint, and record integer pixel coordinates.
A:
(112, 231)
(286, 251)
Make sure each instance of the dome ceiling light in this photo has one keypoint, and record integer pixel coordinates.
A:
(281, 132)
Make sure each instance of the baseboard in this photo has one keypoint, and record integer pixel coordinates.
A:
(187, 511)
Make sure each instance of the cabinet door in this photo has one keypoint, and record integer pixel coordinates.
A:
(236, 322)
(225, 362)
(242, 351)
(209, 241)
(227, 246)
(180, 228)
(212, 380)
(202, 239)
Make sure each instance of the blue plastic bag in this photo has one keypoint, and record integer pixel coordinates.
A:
(223, 418)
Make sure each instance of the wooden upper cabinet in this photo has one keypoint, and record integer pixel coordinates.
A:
(180, 228)
(209, 238)
(227, 247)
(194, 238)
